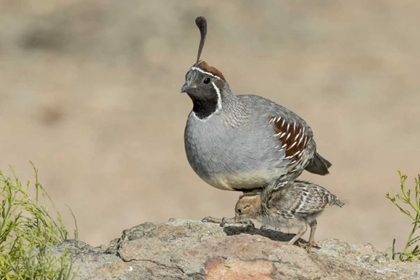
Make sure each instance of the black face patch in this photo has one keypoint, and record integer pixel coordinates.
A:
(203, 91)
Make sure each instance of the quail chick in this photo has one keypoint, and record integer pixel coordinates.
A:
(294, 204)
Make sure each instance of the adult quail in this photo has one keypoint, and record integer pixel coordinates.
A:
(295, 204)
(243, 142)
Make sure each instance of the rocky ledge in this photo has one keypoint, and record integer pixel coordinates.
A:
(184, 249)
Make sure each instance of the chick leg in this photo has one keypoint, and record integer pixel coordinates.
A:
(298, 235)
(311, 241)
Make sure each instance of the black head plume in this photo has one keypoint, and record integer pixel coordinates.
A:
(201, 23)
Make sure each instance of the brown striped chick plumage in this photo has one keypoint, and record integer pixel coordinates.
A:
(291, 204)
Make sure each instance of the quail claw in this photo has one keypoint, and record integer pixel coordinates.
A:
(227, 221)
(307, 246)
(210, 219)
(222, 221)
(263, 227)
(246, 222)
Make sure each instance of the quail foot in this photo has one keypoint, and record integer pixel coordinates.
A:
(294, 204)
(243, 142)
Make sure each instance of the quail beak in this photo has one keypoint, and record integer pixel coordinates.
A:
(185, 88)
(237, 219)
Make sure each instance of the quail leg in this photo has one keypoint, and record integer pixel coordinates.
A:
(210, 219)
(268, 227)
(298, 235)
(247, 222)
(265, 227)
(225, 221)
(219, 221)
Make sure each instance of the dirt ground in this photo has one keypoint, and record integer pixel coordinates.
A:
(90, 92)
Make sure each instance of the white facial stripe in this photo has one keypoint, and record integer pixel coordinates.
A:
(219, 97)
(204, 72)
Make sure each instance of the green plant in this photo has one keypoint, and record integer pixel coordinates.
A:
(411, 208)
(26, 231)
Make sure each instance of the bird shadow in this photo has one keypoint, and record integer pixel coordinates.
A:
(274, 235)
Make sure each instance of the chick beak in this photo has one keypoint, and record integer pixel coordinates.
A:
(237, 219)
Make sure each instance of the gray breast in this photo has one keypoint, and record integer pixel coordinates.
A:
(229, 157)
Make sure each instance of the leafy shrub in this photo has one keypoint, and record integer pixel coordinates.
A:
(26, 230)
(410, 207)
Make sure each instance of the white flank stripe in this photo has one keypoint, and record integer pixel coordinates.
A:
(296, 154)
(301, 138)
(294, 143)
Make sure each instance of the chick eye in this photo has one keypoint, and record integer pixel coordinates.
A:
(239, 211)
(206, 80)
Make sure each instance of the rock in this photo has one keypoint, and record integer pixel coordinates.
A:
(184, 249)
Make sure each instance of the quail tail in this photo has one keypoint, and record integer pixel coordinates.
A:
(318, 165)
(335, 201)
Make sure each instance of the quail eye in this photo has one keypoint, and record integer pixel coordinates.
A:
(206, 80)
(239, 211)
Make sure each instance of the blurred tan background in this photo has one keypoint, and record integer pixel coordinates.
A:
(90, 91)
